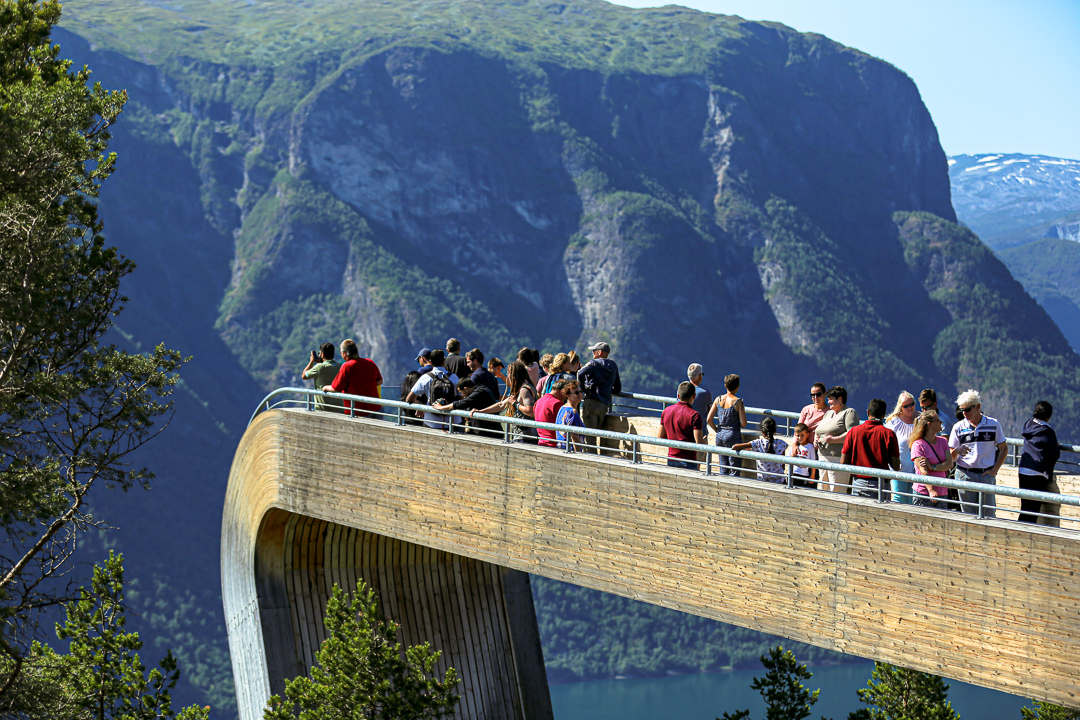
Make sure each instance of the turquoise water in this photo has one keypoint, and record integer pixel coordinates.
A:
(707, 696)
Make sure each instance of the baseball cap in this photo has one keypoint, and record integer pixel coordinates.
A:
(424, 353)
(602, 346)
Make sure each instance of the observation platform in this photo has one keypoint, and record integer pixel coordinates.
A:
(445, 528)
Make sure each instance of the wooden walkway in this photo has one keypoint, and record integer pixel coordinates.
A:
(444, 528)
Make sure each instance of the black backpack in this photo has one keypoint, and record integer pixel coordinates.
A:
(441, 390)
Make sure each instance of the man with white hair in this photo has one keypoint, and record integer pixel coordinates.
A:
(702, 400)
(977, 443)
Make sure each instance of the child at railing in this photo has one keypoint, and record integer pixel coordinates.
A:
(803, 447)
(768, 443)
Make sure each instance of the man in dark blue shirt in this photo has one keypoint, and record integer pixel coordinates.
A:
(479, 374)
(599, 379)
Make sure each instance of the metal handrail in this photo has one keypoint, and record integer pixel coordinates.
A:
(1012, 442)
(709, 450)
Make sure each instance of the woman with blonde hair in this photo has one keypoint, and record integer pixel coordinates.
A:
(931, 457)
(902, 422)
(556, 371)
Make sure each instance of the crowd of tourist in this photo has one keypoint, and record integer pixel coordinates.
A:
(916, 437)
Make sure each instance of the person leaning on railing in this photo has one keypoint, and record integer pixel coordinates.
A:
(520, 399)
(768, 443)
(356, 376)
(832, 430)
(474, 396)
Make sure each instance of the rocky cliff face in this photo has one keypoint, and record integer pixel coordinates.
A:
(615, 205)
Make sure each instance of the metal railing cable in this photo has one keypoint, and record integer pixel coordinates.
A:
(1014, 444)
(637, 454)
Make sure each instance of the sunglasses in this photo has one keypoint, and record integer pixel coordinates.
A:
(905, 406)
(816, 394)
(968, 409)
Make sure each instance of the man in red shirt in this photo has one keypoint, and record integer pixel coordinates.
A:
(357, 376)
(682, 422)
(871, 445)
(546, 410)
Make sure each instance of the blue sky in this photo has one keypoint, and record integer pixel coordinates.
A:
(998, 76)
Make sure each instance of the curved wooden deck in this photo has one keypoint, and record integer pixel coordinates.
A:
(445, 528)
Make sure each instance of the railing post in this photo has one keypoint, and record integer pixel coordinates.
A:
(400, 417)
(790, 476)
(506, 432)
(633, 451)
(881, 489)
(708, 463)
(310, 402)
(981, 516)
(352, 408)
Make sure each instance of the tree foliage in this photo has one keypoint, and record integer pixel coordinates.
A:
(72, 409)
(101, 676)
(361, 671)
(896, 693)
(786, 698)
(1048, 711)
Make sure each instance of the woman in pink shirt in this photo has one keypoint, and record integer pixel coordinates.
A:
(811, 414)
(930, 453)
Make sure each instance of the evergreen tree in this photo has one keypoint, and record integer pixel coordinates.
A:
(786, 698)
(361, 672)
(71, 409)
(101, 676)
(1048, 711)
(896, 693)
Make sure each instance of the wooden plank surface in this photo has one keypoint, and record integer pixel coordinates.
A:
(987, 602)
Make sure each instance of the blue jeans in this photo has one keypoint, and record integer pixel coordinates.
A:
(901, 486)
(727, 437)
(684, 464)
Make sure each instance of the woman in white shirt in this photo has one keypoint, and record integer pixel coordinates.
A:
(902, 422)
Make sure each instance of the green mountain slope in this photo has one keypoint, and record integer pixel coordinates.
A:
(1049, 269)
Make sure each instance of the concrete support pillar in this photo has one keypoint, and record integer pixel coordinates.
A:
(478, 615)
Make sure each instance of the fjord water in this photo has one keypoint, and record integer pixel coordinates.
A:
(709, 695)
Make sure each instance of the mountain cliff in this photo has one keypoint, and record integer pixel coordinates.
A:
(1027, 208)
(688, 187)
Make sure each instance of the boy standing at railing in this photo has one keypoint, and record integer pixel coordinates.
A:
(803, 447)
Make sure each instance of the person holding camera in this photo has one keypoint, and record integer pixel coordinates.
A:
(323, 369)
